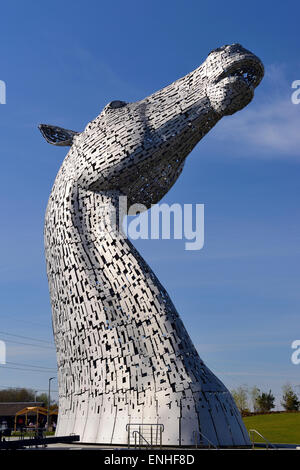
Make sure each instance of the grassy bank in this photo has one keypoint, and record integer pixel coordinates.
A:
(279, 427)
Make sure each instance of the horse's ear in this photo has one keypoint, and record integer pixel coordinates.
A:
(57, 135)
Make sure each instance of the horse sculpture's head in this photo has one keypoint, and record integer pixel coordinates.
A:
(233, 73)
(140, 148)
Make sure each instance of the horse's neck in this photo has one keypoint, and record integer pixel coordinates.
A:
(90, 258)
(97, 219)
(104, 295)
(113, 259)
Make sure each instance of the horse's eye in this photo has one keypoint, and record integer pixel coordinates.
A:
(116, 104)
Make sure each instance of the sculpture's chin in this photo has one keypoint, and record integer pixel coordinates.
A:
(230, 95)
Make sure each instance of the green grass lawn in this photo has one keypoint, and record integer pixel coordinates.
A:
(281, 427)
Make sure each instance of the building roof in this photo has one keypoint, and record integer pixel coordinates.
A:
(11, 408)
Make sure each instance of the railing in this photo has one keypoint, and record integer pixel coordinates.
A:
(251, 431)
(144, 434)
(141, 437)
(201, 435)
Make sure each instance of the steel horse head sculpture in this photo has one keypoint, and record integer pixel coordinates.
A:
(123, 353)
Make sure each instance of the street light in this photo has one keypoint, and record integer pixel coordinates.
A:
(48, 411)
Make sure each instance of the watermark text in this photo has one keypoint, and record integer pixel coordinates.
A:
(2, 352)
(2, 92)
(295, 358)
(162, 221)
(295, 98)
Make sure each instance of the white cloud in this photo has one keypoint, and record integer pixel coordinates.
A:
(268, 129)
(269, 126)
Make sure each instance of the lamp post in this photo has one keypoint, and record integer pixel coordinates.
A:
(48, 411)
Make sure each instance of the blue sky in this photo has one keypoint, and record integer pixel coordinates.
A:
(239, 296)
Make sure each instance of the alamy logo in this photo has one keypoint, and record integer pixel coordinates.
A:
(296, 94)
(296, 354)
(158, 223)
(2, 92)
(2, 352)
(163, 221)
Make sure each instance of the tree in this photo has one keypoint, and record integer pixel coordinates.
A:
(265, 402)
(240, 396)
(25, 394)
(43, 398)
(290, 400)
(254, 394)
(16, 394)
